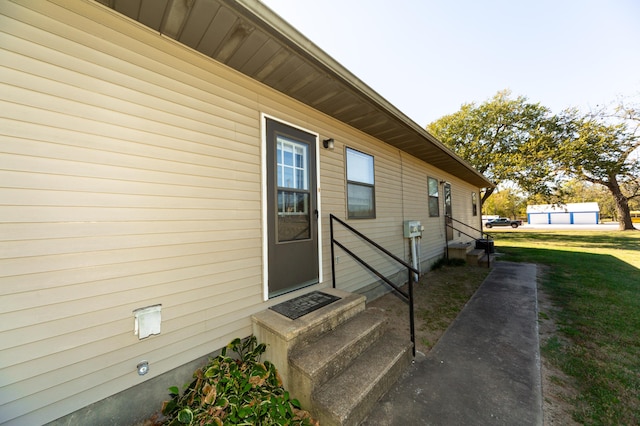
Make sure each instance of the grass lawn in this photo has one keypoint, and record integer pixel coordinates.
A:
(594, 279)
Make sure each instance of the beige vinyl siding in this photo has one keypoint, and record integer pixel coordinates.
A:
(461, 204)
(385, 229)
(130, 175)
(128, 178)
(416, 206)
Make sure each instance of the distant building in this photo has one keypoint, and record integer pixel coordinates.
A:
(564, 214)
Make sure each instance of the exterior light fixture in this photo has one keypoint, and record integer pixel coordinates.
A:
(143, 368)
(328, 143)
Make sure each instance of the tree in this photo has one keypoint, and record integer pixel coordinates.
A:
(505, 203)
(513, 140)
(603, 148)
(580, 191)
(499, 138)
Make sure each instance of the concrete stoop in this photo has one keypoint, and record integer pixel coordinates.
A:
(459, 250)
(467, 252)
(340, 360)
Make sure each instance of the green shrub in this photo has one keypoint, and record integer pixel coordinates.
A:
(235, 391)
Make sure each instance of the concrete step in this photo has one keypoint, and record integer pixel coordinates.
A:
(474, 256)
(347, 398)
(458, 250)
(282, 335)
(483, 260)
(312, 365)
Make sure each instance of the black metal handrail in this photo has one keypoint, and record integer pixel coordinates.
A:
(407, 297)
(487, 248)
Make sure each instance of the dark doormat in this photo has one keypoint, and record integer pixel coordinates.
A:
(302, 305)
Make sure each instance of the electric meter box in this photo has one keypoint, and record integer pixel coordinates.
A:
(412, 228)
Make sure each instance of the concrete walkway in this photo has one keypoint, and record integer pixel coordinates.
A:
(485, 370)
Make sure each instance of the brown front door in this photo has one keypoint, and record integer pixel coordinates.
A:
(291, 208)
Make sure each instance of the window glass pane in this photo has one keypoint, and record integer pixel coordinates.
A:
(300, 154)
(433, 187)
(434, 204)
(359, 167)
(300, 183)
(293, 167)
(287, 159)
(288, 178)
(361, 201)
(294, 218)
(290, 202)
(433, 207)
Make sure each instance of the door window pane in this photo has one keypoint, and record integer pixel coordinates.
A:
(294, 213)
(294, 220)
(292, 164)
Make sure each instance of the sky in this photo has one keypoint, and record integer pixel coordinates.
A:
(429, 57)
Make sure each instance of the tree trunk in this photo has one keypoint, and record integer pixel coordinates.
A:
(486, 195)
(622, 206)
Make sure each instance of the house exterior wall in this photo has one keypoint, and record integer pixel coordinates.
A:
(130, 175)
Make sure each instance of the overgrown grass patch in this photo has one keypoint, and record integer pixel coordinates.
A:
(594, 278)
(439, 297)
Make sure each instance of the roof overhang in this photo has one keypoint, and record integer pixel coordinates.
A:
(250, 38)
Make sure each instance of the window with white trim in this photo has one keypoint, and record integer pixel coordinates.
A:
(361, 197)
(434, 197)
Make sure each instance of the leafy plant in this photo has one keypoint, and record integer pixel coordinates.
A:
(235, 391)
